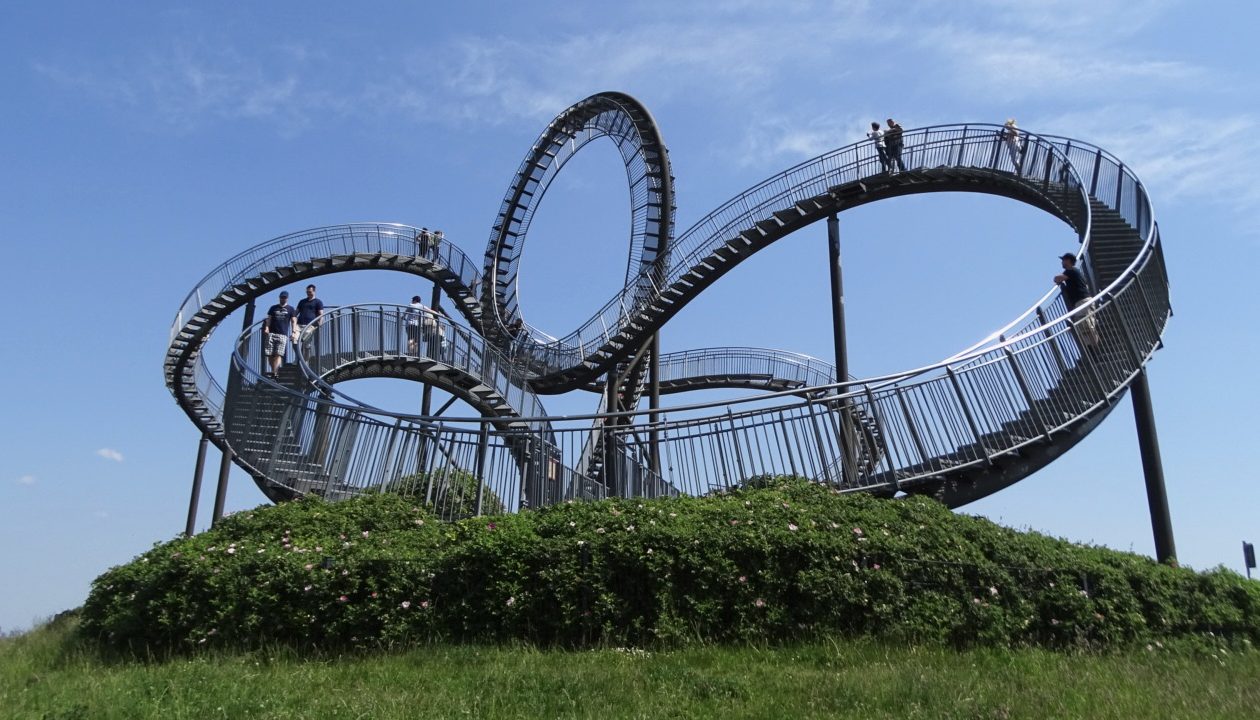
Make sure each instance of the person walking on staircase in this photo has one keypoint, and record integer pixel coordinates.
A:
(1076, 294)
(280, 323)
(309, 309)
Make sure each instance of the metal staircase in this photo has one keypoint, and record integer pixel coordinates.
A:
(959, 429)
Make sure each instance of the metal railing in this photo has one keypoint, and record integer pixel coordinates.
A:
(304, 247)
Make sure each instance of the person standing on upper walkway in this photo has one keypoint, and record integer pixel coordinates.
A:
(880, 145)
(1010, 138)
(893, 141)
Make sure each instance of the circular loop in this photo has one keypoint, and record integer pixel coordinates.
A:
(630, 126)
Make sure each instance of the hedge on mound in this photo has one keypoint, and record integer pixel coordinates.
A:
(786, 561)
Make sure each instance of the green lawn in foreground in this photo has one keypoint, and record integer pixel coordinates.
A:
(42, 675)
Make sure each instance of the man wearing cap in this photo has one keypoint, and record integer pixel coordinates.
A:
(281, 321)
(1075, 294)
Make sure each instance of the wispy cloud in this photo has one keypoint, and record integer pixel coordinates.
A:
(27, 480)
(1180, 155)
(110, 454)
(776, 138)
(186, 84)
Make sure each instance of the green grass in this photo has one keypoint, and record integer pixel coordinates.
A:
(48, 673)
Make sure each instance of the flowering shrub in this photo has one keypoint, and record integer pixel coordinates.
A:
(783, 560)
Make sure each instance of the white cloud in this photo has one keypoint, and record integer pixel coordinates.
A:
(110, 454)
(1178, 154)
(27, 480)
(779, 138)
(187, 84)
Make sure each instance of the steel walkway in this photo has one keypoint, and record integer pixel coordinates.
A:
(959, 429)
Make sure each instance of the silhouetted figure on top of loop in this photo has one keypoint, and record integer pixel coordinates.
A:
(1010, 137)
(893, 142)
(880, 145)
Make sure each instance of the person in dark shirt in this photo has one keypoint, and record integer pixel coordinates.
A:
(309, 308)
(893, 141)
(1075, 294)
(281, 321)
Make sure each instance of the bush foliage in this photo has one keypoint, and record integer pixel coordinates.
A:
(787, 559)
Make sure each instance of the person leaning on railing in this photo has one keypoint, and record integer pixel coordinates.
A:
(1010, 137)
(1076, 294)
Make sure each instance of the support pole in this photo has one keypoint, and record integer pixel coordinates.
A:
(840, 344)
(654, 403)
(220, 493)
(837, 299)
(191, 526)
(612, 405)
(1148, 443)
(426, 397)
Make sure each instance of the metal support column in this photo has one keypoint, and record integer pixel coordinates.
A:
(838, 334)
(220, 493)
(426, 397)
(612, 404)
(654, 403)
(1153, 468)
(191, 526)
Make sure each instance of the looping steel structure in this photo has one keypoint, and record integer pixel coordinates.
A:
(958, 430)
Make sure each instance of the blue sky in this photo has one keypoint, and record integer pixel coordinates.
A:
(141, 145)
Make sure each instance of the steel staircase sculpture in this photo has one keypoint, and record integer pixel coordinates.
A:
(958, 430)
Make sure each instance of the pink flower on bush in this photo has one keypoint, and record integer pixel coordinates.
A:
(343, 598)
(490, 526)
(310, 566)
(792, 527)
(857, 531)
(743, 579)
(759, 603)
(231, 551)
(424, 604)
(876, 566)
(511, 601)
(306, 589)
(365, 533)
(405, 604)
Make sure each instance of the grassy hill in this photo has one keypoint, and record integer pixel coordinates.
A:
(785, 561)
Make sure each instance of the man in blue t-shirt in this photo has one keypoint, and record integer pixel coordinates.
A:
(281, 321)
(309, 308)
(1075, 294)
